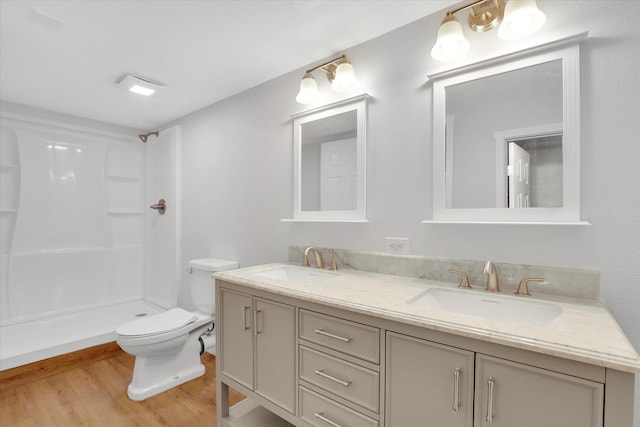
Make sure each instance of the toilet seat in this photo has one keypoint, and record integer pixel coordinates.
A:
(170, 320)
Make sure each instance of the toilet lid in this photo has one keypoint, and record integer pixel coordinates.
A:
(168, 321)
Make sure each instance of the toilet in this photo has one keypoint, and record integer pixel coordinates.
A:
(167, 346)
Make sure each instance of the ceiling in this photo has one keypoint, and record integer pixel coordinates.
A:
(67, 55)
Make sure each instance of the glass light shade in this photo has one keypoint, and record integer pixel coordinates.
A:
(345, 78)
(450, 43)
(308, 93)
(521, 18)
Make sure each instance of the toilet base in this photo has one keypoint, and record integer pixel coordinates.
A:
(158, 373)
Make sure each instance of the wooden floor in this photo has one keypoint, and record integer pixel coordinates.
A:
(89, 388)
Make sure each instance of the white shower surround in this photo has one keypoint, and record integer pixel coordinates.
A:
(72, 244)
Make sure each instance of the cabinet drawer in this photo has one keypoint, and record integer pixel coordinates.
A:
(319, 411)
(355, 383)
(348, 337)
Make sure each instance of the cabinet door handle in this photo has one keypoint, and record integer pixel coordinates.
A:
(258, 315)
(244, 317)
(490, 384)
(456, 390)
(321, 331)
(332, 378)
(321, 417)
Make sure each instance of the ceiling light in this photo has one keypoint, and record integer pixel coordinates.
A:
(140, 85)
(517, 19)
(340, 74)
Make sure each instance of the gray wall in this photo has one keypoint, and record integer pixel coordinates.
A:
(237, 161)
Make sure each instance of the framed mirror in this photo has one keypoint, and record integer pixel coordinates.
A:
(507, 138)
(329, 162)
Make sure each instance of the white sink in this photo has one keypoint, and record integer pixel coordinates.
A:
(510, 309)
(303, 276)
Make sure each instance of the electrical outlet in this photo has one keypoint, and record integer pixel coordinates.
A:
(396, 245)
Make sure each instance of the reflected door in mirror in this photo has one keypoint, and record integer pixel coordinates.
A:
(329, 163)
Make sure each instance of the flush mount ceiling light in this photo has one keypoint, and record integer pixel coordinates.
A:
(340, 74)
(517, 19)
(140, 85)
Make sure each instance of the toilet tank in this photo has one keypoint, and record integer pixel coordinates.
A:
(203, 290)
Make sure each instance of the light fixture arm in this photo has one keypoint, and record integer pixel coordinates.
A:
(329, 67)
(460, 9)
(335, 61)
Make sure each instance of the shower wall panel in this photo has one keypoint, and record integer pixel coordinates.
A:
(72, 220)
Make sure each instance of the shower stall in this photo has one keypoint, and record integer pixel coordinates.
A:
(81, 252)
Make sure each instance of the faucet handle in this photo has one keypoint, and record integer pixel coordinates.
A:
(464, 278)
(334, 264)
(523, 288)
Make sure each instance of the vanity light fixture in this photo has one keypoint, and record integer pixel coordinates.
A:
(517, 19)
(140, 85)
(340, 74)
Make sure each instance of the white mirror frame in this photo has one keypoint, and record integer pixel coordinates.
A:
(568, 51)
(358, 103)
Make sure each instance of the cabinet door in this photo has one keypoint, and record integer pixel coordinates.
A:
(236, 328)
(275, 352)
(428, 384)
(512, 394)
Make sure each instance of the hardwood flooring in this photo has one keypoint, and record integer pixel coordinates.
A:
(89, 388)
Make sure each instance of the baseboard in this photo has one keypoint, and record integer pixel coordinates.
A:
(24, 374)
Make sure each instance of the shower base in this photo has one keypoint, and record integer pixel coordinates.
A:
(31, 341)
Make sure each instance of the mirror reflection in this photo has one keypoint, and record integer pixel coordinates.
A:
(504, 139)
(329, 163)
(329, 155)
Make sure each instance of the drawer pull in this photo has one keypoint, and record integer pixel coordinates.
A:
(456, 390)
(332, 378)
(244, 317)
(490, 384)
(335, 337)
(321, 417)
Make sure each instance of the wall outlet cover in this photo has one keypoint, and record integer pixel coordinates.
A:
(396, 245)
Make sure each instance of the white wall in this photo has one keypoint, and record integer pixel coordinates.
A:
(237, 161)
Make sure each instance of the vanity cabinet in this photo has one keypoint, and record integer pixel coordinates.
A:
(306, 363)
(428, 381)
(258, 346)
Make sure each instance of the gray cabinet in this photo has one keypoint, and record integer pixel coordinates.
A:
(306, 364)
(275, 353)
(236, 328)
(428, 384)
(258, 346)
(513, 394)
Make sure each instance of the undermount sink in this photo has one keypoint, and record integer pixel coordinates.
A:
(303, 276)
(511, 309)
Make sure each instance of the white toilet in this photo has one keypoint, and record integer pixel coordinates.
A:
(168, 345)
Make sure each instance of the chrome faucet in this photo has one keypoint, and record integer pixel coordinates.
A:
(492, 277)
(319, 262)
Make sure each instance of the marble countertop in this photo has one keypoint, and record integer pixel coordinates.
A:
(588, 333)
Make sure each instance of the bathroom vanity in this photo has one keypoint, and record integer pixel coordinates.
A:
(311, 347)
